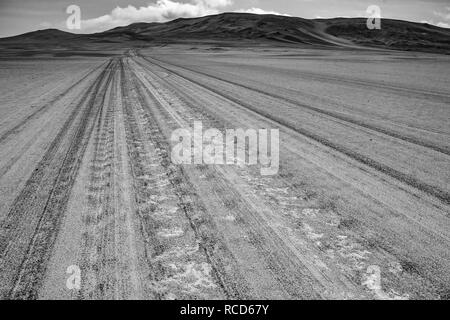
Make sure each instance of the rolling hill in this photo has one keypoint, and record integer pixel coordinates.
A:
(247, 29)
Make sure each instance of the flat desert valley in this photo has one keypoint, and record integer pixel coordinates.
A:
(359, 208)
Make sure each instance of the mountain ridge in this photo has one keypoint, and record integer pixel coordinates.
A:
(245, 28)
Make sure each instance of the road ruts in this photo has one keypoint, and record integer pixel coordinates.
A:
(98, 263)
(5, 135)
(143, 227)
(403, 177)
(344, 118)
(35, 115)
(272, 257)
(177, 89)
(336, 115)
(29, 230)
(173, 207)
(390, 88)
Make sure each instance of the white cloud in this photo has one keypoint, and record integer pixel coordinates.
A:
(438, 24)
(260, 11)
(443, 25)
(444, 15)
(161, 11)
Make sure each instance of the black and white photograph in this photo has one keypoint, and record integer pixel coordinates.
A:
(237, 151)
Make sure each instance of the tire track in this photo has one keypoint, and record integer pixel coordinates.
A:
(24, 149)
(43, 108)
(136, 155)
(189, 206)
(367, 83)
(131, 271)
(393, 173)
(197, 105)
(336, 115)
(98, 258)
(304, 280)
(26, 237)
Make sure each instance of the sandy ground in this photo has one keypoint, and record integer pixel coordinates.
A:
(358, 210)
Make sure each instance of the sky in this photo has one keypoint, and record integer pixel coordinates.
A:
(20, 16)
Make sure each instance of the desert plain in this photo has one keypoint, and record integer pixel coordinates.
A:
(359, 208)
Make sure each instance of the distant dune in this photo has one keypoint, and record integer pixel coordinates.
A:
(249, 29)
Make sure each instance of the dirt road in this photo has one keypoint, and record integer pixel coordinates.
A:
(359, 209)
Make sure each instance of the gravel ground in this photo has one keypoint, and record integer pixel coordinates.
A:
(358, 210)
